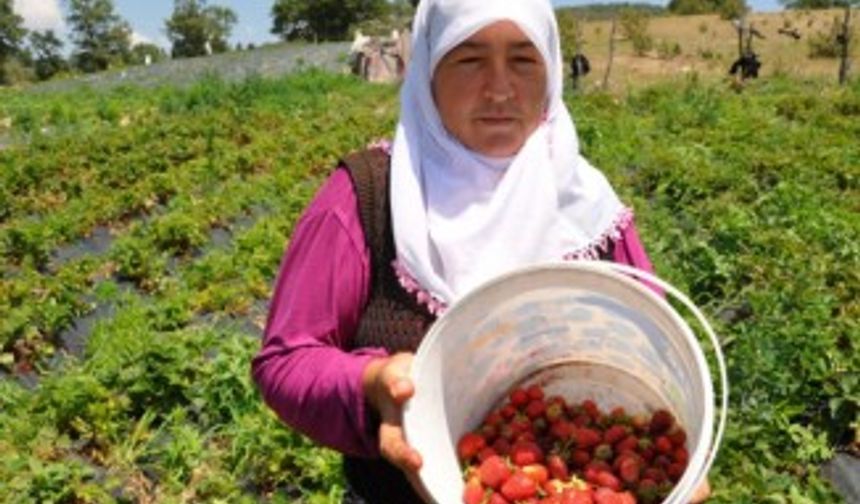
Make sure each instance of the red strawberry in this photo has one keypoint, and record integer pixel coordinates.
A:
(587, 437)
(614, 434)
(519, 486)
(591, 408)
(582, 420)
(557, 467)
(680, 455)
(525, 453)
(605, 495)
(648, 454)
(497, 498)
(661, 421)
(573, 496)
(663, 445)
(525, 437)
(508, 411)
(654, 474)
(537, 472)
(535, 408)
(629, 443)
(502, 446)
(562, 430)
(473, 493)
(608, 480)
(519, 397)
(629, 469)
(678, 437)
(494, 418)
(553, 487)
(494, 471)
(489, 431)
(580, 458)
(675, 471)
(520, 424)
(661, 461)
(535, 392)
(469, 445)
(627, 498)
(618, 413)
(599, 465)
(486, 452)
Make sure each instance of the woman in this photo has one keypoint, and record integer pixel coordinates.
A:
(485, 176)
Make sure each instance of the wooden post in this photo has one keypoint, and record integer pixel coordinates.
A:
(846, 44)
(611, 51)
(740, 27)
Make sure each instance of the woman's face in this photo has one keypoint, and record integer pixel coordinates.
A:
(491, 90)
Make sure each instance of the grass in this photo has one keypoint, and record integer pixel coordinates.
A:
(746, 201)
(707, 46)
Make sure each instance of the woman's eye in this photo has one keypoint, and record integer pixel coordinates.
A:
(469, 60)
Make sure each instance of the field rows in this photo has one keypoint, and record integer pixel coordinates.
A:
(141, 236)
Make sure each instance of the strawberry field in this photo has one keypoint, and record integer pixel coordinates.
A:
(140, 232)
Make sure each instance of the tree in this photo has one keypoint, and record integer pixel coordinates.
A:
(101, 36)
(323, 19)
(12, 32)
(47, 57)
(146, 53)
(634, 24)
(196, 29)
(571, 30)
(727, 9)
(839, 41)
(811, 4)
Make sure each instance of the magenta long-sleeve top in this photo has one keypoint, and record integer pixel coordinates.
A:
(305, 370)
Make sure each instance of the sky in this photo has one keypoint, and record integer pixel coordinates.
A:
(147, 16)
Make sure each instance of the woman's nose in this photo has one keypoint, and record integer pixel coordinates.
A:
(499, 87)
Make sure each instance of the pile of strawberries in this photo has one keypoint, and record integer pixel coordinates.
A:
(542, 450)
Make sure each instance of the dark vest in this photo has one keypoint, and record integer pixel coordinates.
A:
(392, 318)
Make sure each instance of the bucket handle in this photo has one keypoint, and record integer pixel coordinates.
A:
(718, 352)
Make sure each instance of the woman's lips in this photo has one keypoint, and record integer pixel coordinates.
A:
(496, 119)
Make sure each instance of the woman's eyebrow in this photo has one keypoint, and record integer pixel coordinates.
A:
(525, 44)
(475, 44)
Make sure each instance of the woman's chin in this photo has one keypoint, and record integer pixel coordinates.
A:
(499, 147)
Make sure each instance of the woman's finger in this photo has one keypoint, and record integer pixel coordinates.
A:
(395, 448)
(702, 493)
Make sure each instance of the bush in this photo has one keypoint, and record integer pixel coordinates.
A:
(668, 50)
(825, 44)
(634, 25)
(14, 72)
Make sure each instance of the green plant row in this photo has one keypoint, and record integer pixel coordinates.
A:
(748, 202)
(207, 192)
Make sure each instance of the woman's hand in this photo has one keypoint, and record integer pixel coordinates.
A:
(386, 387)
(702, 493)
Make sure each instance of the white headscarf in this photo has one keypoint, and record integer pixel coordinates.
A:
(461, 218)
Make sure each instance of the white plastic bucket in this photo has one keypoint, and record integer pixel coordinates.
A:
(582, 330)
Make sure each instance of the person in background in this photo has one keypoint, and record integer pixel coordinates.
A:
(579, 67)
(484, 176)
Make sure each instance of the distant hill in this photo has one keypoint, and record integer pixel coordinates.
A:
(271, 60)
(606, 11)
